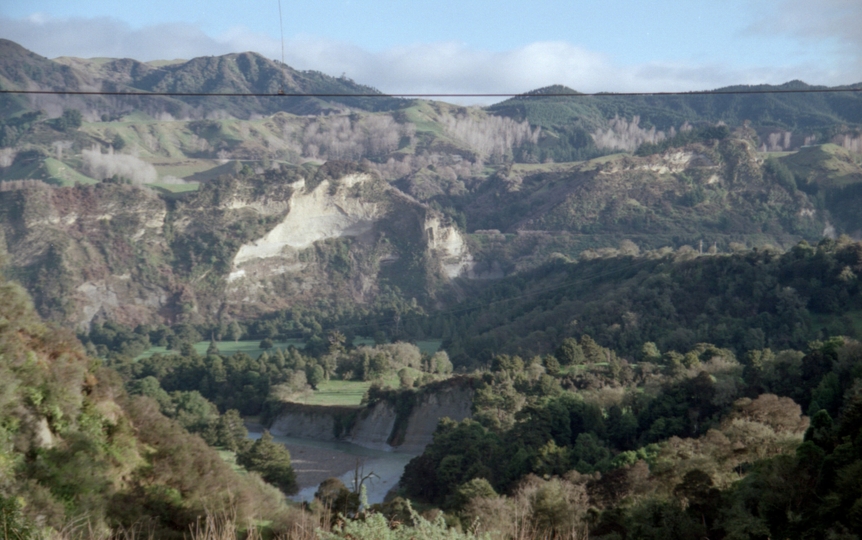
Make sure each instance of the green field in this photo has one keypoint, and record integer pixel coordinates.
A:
(251, 348)
(428, 347)
(182, 167)
(176, 188)
(64, 174)
(343, 393)
(230, 458)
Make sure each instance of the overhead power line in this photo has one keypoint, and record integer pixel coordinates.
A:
(435, 95)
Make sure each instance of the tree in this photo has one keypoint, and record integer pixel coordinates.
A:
(272, 461)
(229, 431)
(315, 375)
(569, 353)
(118, 142)
(440, 363)
(405, 377)
(650, 352)
(70, 119)
(234, 331)
(477, 487)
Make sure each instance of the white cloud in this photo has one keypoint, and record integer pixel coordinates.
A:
(108, 37)
(447, 67)
(836, 22)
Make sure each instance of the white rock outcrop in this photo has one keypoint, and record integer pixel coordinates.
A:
(314, 216)
(449, 246)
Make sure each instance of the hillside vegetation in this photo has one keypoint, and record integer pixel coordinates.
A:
(79, 455)
(649, 306)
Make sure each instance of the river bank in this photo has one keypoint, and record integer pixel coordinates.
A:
(314, 461)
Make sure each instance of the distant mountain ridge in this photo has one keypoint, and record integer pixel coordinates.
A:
(764, 106)
(252, 73)
(243, 73)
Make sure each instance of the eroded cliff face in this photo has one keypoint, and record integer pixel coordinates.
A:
(322, 213)
(240, 247)
(80, 251)
(374, 426)
(378, 425)
(454, 402)
(295, 256)
(446, 244)
(307, 422)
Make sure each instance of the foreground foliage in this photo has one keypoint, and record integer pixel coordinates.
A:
(75, 448)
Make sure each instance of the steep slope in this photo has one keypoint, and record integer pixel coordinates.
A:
(242, 73)
(244, 245)
(581, 127)
(79, 455)
(762, 107)
(742, 300)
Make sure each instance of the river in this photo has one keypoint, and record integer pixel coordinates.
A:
(314, 461)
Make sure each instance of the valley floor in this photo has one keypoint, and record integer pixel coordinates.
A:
(314, 461)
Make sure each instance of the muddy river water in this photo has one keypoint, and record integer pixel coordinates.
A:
(314, 461)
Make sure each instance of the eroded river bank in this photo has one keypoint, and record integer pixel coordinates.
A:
(314, 461)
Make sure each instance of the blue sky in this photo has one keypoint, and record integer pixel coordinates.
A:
(474, 46)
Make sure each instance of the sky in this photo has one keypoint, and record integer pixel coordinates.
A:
(473, 46)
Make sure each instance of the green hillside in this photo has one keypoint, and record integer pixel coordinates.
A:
(768, 110)
(234, 73)
(826, 165)
(79, 456)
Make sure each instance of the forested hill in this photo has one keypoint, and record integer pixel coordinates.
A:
(761, 105)
(424, 203)
(79, 455)
(740, 301)
(242, 73)
(783, 106)
(783, 120)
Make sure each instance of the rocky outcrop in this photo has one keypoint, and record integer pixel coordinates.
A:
(322, 213)
(446, 244)
(374, 426)
(242, 246)
(453, 402)
(80, 251)
(308, 422)
(380, 425)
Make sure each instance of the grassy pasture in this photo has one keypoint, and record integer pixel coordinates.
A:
(251, 348)
(183, 167)
(176, 188)
(330, 393)
(827, 164)
(343, 393)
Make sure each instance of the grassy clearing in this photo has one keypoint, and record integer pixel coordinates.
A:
(177, 188)
(430, 346)
(66, 175)
(544, 167)
(49, 170)
(826, 164)
(251, 348)
(333, 393)
(343, 393)
(230, 458)
(183, 167)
